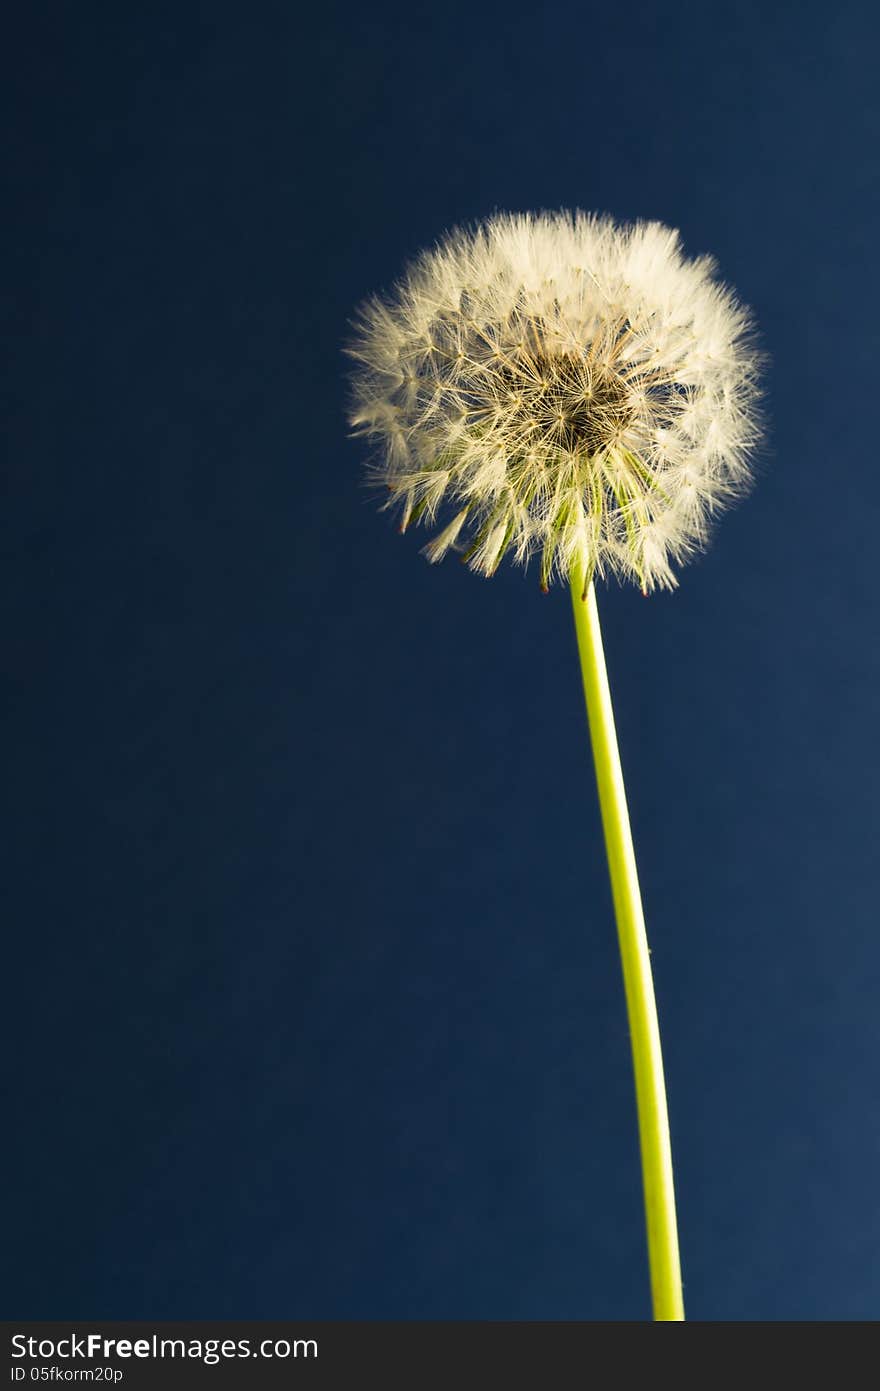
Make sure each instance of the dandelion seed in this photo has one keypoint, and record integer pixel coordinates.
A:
(539, 368)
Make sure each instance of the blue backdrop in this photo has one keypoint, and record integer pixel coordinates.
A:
(314, 1001)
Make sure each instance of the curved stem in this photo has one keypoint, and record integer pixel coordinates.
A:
(635, 958)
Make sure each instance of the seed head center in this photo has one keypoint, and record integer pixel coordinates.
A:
(573, 403)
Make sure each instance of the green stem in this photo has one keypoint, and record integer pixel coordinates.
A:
(635, 958)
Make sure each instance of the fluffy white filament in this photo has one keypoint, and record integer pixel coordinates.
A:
(559, 385)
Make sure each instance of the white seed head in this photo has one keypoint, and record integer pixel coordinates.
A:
(559, 385)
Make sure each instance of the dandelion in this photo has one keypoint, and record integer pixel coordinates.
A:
(564, 387)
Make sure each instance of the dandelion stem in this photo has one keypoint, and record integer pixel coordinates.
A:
(656, 1151)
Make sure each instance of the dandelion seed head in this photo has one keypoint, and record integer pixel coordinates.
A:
(561, 386)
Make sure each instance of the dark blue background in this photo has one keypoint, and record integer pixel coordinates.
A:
(312, 979)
